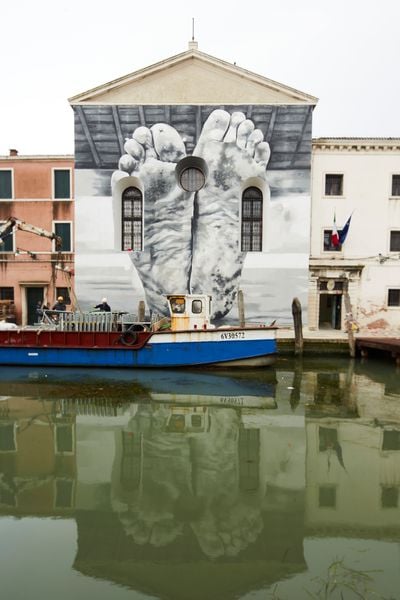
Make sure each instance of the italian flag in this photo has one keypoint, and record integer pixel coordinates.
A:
(335, 234)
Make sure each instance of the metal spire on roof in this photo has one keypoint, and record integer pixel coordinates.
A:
(193, 45)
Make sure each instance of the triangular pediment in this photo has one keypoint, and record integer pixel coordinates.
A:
(192, 77)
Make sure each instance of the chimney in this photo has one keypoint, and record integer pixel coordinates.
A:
(13, 152)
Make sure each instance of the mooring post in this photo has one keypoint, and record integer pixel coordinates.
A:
(298, 326)
(141, 310)
(352, 341)
(350, 324)
(242, 319)
(295, 393)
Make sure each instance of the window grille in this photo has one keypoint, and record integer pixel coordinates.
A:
(132, 219)
(395, 241)
(333, 185)
(252, 211)
(395, 185)
(192, 179)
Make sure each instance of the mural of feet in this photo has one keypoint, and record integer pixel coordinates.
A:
(164, 264)
(235, 153)
(192, 240)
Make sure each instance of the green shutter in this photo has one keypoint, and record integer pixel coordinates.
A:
(62, 188)
(5, 185)
(7, 244)
(64, 231)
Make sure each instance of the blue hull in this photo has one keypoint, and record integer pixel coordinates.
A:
(161, 355)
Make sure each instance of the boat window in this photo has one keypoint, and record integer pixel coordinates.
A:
(197, 307)
(176, 423)
(178, 305)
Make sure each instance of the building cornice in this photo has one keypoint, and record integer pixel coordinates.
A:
(333, 264)
(54, 157)
(356, 144)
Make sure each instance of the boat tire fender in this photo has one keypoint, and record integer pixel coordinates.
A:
(129, 338)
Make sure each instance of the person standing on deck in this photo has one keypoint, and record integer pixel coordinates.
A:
(60, 305)
(104, 306)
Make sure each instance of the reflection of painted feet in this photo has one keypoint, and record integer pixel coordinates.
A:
(229, 530)
(235, 153)
(164, 264)
(157, 530)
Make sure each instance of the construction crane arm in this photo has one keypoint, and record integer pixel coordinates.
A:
(14, 223)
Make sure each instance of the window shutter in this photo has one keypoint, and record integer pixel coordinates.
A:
(62, 186)
(5, 185)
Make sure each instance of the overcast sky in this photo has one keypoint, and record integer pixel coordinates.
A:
(345, 52)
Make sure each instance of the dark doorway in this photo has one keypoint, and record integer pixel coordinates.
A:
(330, 311)
(33, 296)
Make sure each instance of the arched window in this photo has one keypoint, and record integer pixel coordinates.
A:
(252, 212)
(132, 219)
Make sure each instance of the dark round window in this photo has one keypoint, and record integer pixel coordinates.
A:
(192, 179)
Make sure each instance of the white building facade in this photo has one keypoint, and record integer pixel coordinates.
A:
(193, 176)
(358, 281)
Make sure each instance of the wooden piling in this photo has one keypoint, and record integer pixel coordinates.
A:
(350, 324)
(141, 311)
(242, 318)
(295, 393)
(298, 327)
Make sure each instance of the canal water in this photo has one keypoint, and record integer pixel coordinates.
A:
(282, 483)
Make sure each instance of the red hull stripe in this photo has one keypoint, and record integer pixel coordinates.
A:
(73, 339)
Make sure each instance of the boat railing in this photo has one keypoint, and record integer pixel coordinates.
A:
(81, 321)
(128, 319)
(92, 321)
(93, 407)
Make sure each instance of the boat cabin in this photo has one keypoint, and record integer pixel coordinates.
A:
(184, 419)
(189, 311)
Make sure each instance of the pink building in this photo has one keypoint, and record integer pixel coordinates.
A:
(39, 191)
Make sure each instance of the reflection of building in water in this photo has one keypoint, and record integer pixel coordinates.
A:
(37, 457)
(378, 399)
(200, 466)
(159, 489)
(189, 484)
(184, 500)
(353, 474)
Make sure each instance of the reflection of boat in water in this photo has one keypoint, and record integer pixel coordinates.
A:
(182, 387)
(188, 420)
(109, 340)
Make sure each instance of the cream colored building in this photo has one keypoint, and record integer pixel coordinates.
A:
(193, 175)
(360, 279)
